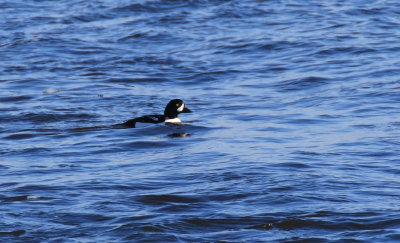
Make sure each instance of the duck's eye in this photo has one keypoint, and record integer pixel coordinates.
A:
(177, 105)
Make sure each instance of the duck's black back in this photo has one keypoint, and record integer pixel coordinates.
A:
(144, 119)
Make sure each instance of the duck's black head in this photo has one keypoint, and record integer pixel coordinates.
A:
(174, 107)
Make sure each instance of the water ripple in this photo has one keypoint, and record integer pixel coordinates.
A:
(293, 135)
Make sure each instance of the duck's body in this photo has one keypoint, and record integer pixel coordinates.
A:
(145, 119)
(173, 108)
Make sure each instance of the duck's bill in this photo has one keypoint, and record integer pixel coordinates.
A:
(186, 110)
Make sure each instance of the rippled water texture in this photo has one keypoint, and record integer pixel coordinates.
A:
(294, 135)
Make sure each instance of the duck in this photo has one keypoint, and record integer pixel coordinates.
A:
(170, 116)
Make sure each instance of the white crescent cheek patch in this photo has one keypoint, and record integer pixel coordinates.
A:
(180, 109)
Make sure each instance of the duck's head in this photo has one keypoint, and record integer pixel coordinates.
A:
(175, 107)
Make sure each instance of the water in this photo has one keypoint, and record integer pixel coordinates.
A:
(294, 135)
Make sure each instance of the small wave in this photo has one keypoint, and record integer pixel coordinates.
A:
(343, 51)
(93, 74)
(297, 165)
(14, 98)
(163, 199)
(19, 136)
(137, 80)
(148, 144)
(137, 7)
(16, 232)
(18, 198)
(302, 83)
(39, 118)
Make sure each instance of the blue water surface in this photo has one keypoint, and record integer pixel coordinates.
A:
(294, 135)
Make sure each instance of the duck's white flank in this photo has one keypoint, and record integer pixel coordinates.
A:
(174, 120)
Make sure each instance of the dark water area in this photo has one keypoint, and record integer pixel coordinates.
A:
(294, 135)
